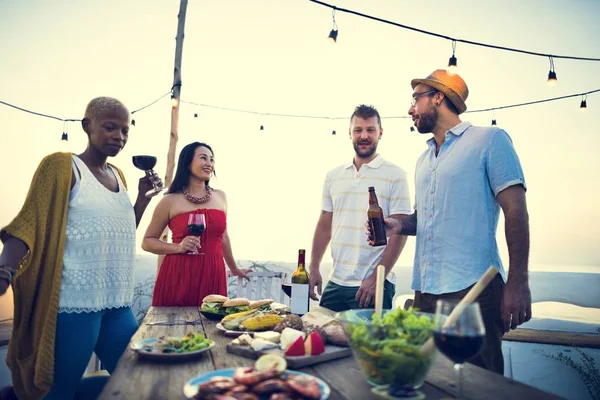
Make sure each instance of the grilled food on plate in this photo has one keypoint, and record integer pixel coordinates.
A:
(267, 378)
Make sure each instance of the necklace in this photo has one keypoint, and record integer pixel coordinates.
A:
(199, 200)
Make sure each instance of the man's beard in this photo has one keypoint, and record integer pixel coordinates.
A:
(367, 153)
(427, 121)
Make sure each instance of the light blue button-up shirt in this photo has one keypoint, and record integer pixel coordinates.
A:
(457, 208)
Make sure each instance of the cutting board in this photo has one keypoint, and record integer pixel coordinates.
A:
(331, 353)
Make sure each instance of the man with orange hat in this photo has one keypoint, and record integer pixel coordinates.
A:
(462, 180)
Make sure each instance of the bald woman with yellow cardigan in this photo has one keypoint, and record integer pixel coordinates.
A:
(69, 256)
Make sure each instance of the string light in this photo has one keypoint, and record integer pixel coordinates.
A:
(386, 117)
(583, 106)
(471, 42)
(65, 135)
(552, 73)
(149, 104)
(452, 62)
(333, 133)
(195, 115)
(494, 122)
(334, 31)
(551, 76)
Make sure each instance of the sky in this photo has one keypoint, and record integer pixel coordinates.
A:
(274, 57)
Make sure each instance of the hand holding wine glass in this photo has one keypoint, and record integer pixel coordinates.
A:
(460, 340)
(196, 226)
(147, 163)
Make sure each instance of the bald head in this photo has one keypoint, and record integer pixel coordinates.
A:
(101, 106)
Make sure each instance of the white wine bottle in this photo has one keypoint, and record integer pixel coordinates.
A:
(300, 285)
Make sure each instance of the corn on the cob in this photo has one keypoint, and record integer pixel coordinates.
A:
(262, 322)
(232, 321)
(231, 317)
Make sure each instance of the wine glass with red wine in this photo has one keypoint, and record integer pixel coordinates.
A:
(147, 163)
(286, 284)
(196, 226)
(460, 340)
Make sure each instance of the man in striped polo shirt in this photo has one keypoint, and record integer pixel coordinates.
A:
(344, 206)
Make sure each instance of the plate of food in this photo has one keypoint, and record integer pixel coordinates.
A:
(267, 377)
(172, 348)
(215, 306)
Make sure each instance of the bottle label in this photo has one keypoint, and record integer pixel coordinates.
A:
(299, 301)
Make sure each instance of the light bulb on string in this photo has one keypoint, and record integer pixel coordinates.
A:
(195, 115)
(133, 122)
(494, 122)
(552, 79)
(333, 133)
(334, 31)
(453, 62)
(262, 128)
(65, 135)
(412, 128)
(583, 105)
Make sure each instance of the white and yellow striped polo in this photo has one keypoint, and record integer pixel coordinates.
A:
(345, 193)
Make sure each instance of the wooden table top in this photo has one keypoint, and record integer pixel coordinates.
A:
(137, 378)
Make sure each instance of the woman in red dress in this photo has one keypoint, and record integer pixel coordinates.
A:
(184, 278)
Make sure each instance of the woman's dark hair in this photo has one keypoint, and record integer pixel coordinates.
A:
(182, 175)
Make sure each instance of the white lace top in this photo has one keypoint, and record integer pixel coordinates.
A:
(100, 246)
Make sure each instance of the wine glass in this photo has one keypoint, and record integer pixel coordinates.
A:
(459, 339)
(196, 226)
(286, 284)
(146, 163)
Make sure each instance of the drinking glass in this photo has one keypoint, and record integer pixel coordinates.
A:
(196, 226)
(459, 339)
(147, 163)
(286, 284)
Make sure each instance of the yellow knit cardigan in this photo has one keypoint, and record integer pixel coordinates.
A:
(41, 224)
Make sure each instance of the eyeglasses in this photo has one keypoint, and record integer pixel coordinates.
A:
(415, 96)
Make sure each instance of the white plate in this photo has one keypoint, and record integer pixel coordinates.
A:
(140, 347)
(191, 386)
(230, 332)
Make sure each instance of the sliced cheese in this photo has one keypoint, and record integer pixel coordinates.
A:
(271, 336)
(245, 339)
(289, 336)
(262, 344)
(236, 341)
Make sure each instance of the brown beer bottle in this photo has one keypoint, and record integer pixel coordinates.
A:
(376, 222)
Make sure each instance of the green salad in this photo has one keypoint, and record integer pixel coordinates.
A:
(188, 343)
(387, 348)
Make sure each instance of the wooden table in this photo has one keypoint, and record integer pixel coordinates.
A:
(136, 378)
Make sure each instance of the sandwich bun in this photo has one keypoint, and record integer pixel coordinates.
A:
(260, 303)
(215, 298)
(237, 302)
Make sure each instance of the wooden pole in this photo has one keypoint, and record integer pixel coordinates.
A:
(174, 137)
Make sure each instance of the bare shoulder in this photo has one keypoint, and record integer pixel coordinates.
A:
(218, 193)
(168, 200)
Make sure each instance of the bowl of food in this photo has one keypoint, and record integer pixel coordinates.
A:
(388, 349)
